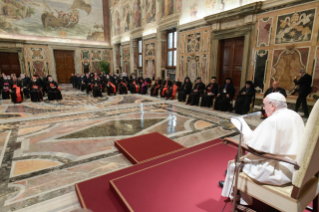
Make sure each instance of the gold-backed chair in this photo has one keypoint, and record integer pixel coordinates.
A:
(305, 182)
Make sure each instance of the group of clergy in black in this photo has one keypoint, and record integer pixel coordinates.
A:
(112, 84)
(24, 87)
(223, 94)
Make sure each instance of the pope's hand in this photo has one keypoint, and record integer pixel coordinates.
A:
(227, 95)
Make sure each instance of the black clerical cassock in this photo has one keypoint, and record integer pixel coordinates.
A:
(54, 92)
(225, 95)
(155, 88)
(185, 89)
(97, 88)
(173, 90)
(123, 89)
(199, 88)
(16, 92)
(167, 84)
(35, 90)
(244, 98)
(211, 92)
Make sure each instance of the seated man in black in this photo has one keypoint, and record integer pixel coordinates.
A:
(24, 85)
(173, 90)
(184, 90)
(167, 84)
(111, 89)
(244, 98)
(35, 90)
(5, 85)
(225, 95)
(199, 88)
(155, 88)
(89, 82)
(97, 87)
(211, 92)
(144, 87)
(16, 91)
(54, 92)
(134, 87)
(123, 89)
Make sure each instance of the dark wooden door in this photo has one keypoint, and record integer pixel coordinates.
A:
(9, 63)
(232, 51)
(64, 62)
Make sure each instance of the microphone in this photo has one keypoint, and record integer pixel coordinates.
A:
(252, 114)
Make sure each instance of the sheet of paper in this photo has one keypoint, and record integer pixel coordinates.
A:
(245, 128)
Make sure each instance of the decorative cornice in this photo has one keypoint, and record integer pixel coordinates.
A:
(137, 33)
(150, 36)
(236, 13)
(233, 32)
(116, 40)
(169, 22)
(125, 43)
(194, 24)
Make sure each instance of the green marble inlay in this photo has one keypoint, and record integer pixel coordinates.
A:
(114, 128)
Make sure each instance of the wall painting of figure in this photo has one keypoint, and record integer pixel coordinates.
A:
(150, 11)
(67, 19)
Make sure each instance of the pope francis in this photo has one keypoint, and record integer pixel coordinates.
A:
(280, 134)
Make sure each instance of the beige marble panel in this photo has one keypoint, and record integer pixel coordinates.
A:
(65, 177)
(25, 166)
(27, 130)
(202, 124)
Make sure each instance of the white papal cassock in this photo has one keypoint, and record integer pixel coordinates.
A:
(280, 134)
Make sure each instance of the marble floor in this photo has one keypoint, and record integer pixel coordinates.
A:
(47, 147)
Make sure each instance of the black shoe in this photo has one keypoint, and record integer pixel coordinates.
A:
(226, 172)
(221, 184)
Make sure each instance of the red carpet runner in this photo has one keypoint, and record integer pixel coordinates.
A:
(187, 183)
(145, 147)
(96, 194)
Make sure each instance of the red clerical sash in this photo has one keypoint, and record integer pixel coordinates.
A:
(157, 86)
(51, 84)
(18, 94)
(174, 91)
(35, 87)
(124, 85)
(136, 88)
(114, 88)
(166, 83)
(164, 91)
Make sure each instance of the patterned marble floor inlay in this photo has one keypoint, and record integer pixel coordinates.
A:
(47, 147)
